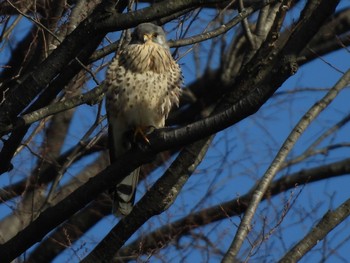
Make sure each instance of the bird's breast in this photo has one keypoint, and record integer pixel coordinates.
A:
(142, 86)
(142, 98)
(147, 57)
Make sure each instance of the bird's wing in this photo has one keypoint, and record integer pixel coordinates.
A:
(124, 192)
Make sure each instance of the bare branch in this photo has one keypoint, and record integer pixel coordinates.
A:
(329, 221)
(91, 97)
(222, 29)
(158, 199)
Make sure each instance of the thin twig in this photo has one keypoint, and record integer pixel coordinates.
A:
(88, 71)
(13, 25)
(246, 28)
(220, 30)
(70, 159)
(310, 151)
(40, 25)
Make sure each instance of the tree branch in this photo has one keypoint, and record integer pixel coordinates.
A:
(162, 194)
(91, 97)
(329, 221)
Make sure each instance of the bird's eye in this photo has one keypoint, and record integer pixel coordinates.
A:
(155, 34)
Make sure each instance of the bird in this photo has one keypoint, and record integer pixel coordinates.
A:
(143, 83)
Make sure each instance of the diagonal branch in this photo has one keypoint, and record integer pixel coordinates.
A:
(158, 199)
(91, 97)
(289, 143)
(329, 221)
(58, 213)
(223, 28)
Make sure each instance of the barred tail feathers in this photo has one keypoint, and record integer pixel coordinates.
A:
(124, 194)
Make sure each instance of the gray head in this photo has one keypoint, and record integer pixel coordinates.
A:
(149, 32)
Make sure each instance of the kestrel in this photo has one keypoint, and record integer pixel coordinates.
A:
(143, 83)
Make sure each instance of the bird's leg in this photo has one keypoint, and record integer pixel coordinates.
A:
(128, 142)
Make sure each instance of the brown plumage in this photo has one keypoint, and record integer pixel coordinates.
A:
(143, 83)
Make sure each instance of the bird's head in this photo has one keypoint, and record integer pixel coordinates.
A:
(149, 33)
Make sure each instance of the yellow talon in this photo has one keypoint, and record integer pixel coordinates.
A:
(141, 131)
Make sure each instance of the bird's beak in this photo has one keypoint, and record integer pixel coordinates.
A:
(147, 37)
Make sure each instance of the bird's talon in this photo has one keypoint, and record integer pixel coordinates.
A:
(149, 130)
(143, 131)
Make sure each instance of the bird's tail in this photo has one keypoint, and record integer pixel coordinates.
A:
(124, 194)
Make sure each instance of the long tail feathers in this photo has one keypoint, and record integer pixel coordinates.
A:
(124, 194)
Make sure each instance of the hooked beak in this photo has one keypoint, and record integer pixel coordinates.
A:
(147, 37)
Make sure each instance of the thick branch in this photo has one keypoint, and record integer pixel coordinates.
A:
(11, 145)
(58, 213)
(162, 194)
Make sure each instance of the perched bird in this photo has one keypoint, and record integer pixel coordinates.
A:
(143, 82)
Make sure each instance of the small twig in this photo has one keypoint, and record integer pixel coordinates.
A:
(220, 30)
(98, 54)
(4, 95)
(246, 28)
(6, 33)
(34, 21)
(88, 70)
(183, 33)
(70, 159)
(326, 62)
(31, 136)
(310, 151)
